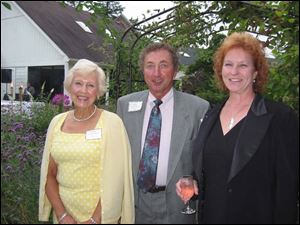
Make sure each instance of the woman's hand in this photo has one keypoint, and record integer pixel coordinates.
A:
(178, 190)
(68, 219)
(90, 221)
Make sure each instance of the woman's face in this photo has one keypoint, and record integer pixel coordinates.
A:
(84, 89)
(238, 71)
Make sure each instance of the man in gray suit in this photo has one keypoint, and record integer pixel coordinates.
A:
(181, 116)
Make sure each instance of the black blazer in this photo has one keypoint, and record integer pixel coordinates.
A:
(263, 180)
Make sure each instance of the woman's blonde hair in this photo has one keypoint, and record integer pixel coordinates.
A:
(86, 68)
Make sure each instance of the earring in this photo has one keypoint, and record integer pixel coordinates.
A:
(254, 81)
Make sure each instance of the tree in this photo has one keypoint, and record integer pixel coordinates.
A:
(104, 14)
(201, 81)
(197, 22)
(101, 8)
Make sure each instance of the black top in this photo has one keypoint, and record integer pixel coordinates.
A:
(218, 154)
(263, 181)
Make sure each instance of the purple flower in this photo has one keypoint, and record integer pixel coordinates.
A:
(17, 126)
(67, 100)
(29, 137)
(61, 99)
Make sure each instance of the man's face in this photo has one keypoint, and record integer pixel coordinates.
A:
(159, 72)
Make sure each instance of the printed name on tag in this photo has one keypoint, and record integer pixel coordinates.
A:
(93, 134)
(134, 106)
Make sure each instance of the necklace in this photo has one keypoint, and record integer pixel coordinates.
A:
(232, 119)
(231, 123)
(85, 119)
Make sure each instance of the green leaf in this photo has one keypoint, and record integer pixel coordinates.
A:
(6, 5)
(291, 20)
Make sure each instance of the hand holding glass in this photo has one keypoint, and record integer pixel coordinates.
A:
(187, 191)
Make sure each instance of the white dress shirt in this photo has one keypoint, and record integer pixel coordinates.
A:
(166, 109)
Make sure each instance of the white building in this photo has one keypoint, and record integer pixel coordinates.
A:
(41, 40)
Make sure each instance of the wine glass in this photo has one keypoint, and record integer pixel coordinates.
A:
(187, 191)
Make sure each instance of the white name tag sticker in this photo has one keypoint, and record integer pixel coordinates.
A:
(134, 106)
(93, 134)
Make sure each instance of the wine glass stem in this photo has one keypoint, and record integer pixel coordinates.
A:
(188, 204)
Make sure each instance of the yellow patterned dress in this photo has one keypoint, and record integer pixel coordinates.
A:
(89, 170)
(78, 174)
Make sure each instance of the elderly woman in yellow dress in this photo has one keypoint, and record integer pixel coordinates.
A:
(86, 166)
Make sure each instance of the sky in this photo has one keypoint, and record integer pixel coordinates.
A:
(136, 9)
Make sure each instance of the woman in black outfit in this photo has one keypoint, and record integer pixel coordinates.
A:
(246, 158)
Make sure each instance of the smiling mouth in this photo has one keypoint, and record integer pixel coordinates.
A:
(157, 82)
(234, 80)
(82, 98)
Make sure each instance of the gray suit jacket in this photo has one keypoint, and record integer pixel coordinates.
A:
(188, 113)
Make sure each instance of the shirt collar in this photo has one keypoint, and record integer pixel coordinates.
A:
(165, 99)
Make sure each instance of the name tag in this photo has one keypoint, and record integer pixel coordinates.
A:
(134, 106)
(93, 134)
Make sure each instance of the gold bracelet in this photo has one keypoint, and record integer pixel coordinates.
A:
(93, 220)
(62, 217)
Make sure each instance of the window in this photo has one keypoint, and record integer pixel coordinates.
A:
(84, 27)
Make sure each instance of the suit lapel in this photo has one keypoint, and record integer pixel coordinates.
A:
(251, 134)
(178, 138)
(208, 122)
(137, 125)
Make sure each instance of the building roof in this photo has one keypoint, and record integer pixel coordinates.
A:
(59, 23)
(188, 56)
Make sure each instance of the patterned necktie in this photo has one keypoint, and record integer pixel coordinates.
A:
(148, 163)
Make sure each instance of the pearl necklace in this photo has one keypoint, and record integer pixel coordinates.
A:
(85, 119)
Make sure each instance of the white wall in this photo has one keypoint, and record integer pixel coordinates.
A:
(24, 44)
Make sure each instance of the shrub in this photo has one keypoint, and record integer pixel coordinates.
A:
(22, 142)
(42, 115)
(21, 148)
